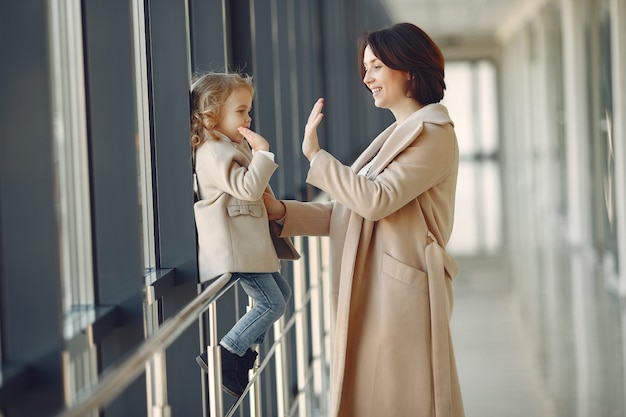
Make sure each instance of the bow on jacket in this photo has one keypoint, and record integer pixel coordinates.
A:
(254, 210)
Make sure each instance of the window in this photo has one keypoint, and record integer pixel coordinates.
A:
(472, 103)
(72, 194)
(604, 206)
(142, 138)
(70, 154)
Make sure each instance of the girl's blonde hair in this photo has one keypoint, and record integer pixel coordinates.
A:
(208, 93)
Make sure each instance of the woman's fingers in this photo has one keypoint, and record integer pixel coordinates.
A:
(275, 208)
(310, 143)
(316, 113)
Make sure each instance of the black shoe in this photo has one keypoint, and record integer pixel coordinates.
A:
(245, 364)
(203, 361)
(230, 368)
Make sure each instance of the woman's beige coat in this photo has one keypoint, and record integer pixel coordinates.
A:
(231, 220)
(391, 279)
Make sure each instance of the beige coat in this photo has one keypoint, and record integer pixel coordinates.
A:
(232, 223)
(391, 279)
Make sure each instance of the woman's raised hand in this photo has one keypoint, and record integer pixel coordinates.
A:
(256, 141)
(310, 144)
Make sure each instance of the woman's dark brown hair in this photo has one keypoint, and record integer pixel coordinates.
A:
(406, 47)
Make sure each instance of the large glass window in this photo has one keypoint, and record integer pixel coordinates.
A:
(72, 193)
(70, 153)
(142, 137)
(472, 103)
(601, 141)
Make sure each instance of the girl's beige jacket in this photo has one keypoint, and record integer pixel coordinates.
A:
(231, 220)
(391, 278)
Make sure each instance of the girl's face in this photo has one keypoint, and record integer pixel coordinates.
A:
(235, 113)
(388, 86)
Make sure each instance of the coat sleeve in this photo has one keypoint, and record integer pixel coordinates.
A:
(306, 219)
(427, 161)
(227, 172)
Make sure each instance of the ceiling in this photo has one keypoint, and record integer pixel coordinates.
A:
(465, 27)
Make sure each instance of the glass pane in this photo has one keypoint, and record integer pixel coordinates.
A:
(142, 138)
(490, 209)
(458, 99)
(70, 153)
(464, 237)
(485, 73)
(472, 102)
(606, 218)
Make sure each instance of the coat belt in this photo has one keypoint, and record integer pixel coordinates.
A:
(437, 262)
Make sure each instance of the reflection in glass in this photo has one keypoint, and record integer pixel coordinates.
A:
(142, 138)
(70, 153)
(80, 370)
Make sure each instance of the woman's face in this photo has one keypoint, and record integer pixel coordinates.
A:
(235, 113)
(388, 86)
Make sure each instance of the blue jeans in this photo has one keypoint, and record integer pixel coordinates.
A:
(270, 293)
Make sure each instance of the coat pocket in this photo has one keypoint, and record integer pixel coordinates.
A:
(404, 273)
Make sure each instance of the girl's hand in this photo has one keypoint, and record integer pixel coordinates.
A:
(275, 208)
(256, 141)
(310, 144)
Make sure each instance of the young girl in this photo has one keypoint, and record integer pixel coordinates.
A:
(231, 219)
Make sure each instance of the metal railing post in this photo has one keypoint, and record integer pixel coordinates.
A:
(280, 362)
(214, 356)
(301, 300)
(317, 323)
(255, 388)
(156, 370)
(157, 375)
(202, 334)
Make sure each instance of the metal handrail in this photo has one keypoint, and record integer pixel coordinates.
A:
(117, 379)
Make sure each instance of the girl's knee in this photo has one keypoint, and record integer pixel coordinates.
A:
(287, 294)
(281, 307)
(278, 308)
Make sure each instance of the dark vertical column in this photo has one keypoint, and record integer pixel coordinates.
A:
(286, 47)
(209, 45)
(169, 95)
(115, 199)
(30, 297)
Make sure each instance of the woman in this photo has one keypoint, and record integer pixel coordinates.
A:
(389, 220)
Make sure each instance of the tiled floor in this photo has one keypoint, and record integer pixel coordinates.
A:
(561, 354)
(564, 358)
(498, 372)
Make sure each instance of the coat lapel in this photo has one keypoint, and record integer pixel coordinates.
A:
(399, 138)
(373, 148)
